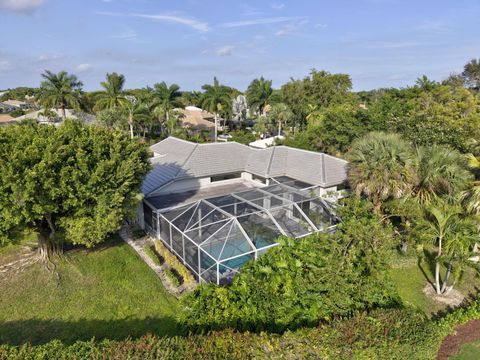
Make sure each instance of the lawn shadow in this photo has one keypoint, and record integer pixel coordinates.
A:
(36, 331)
(429, 258)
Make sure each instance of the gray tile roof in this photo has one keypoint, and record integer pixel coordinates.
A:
(176, 159)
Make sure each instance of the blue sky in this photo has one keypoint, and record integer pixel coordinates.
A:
(379, 43)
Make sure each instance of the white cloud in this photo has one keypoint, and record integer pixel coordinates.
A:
(50, 57)
(291, 28)
(277, 6)
(257, 22)
(225, 50)
(127, 35)
(195, 24)
(83, 67)
(5, 65)
(320, 25)
(20, 6)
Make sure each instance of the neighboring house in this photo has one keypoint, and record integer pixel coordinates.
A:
(197, 119)
(6, 108)
(38, 115)
(218, 205)
(265, 143)
(18, 104)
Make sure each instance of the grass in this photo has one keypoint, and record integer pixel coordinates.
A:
(468, 351)
(103, 293)
(411, 276)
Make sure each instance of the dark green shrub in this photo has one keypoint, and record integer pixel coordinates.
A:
(157, 260)
(172, 276)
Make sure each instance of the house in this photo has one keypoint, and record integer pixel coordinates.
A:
(6, 108)
(197, 119)
(39, 115)
(218, 205)
(16, 104)
(267, 142)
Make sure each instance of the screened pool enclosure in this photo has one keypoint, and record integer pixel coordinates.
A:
(215, 236)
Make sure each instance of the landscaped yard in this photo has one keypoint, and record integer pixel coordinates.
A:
(469, 351)
(411, 278)
(106, 293)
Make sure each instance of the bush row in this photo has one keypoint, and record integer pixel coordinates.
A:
(157, 260)
(379, 334)
(173, 262)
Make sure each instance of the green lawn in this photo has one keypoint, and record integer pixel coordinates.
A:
(469, 351)
(411, 277)
(106, 293)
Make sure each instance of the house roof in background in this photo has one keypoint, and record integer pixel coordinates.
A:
(175, 159)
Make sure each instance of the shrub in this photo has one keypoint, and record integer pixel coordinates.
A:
(138, 234)
(172, 276)
(173, 262)
(152, 255)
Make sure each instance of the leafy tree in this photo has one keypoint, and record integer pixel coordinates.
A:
(425, 84)
(471, 73)
(113, 119)
(454, 238)
(215, 98)
(191, 98)
(166, 98)
(381, 167)
(73, 183)
(441, 173)
(260, 94)
(60, 90)
(113, 95)
(281, 114)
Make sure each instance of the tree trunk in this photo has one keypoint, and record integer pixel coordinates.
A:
(437, 278)
(445, 279)
(64, 113)
(279, 128)
(216, 126)
(404, 247)
(130, 123)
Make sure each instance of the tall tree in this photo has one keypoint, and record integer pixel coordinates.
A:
(60, 90)
(214, 98)
(166, 98)
(73, 183)
(381, 167)
(453, 237)
(113, 96)
(441, 173)
(471, 73)
(282, 114)
(259, 94)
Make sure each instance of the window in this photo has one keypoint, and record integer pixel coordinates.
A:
(259, 178)
(222, 177)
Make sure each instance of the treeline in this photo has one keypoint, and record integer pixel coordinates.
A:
(319, 112)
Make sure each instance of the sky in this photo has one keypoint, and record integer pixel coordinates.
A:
(379, 43)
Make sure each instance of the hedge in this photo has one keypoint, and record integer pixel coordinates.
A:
(380, 334)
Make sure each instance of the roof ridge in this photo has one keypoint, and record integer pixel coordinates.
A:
(270, 161)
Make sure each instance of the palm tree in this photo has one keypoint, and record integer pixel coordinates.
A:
(442, 172)
(281, 113)
(113, 96)
(166, 98)
(214, 99)
(60, 90)
(259, 94)
(453, 237)
(381, 167)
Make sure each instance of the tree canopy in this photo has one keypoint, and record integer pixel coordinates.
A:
(72, 183)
